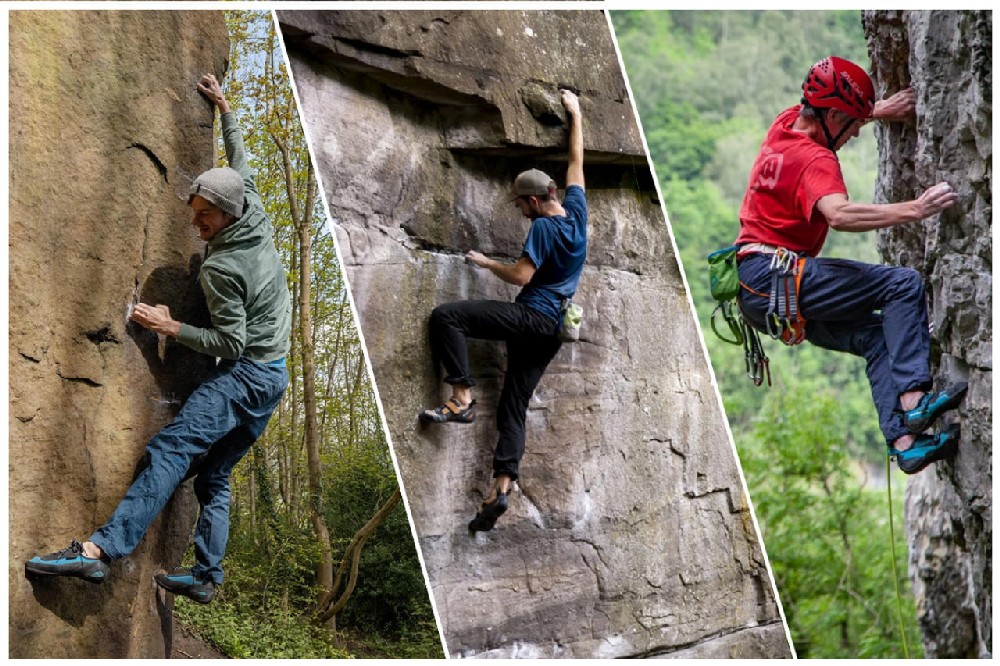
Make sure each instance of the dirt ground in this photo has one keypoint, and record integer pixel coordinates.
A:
(188, 645)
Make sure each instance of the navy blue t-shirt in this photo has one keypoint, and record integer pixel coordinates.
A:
(557, 246)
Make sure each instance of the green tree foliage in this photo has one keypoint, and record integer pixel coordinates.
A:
(267, 605)
(707, 86)
(826, 535)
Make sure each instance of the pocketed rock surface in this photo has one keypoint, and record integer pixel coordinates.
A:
(946, 57)
(106, 129)
(629, 533)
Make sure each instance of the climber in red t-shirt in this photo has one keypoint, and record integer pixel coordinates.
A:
(796, 193)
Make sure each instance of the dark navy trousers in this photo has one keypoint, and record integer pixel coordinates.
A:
(532, 343)
(221, 419)
(869, 310)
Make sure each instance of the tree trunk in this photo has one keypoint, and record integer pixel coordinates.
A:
(331, 604)
(302, 221)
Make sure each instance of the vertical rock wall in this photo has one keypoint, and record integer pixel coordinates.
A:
(629, 534)
(105, 128)
(947, 57)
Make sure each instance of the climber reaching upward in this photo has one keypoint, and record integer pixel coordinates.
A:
(548, 271)
(244, 285)
(795, 195)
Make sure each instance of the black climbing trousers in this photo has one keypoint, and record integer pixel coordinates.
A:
(532, 343)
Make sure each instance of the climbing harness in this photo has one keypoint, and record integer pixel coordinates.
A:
(724, 281)
(892, 544)
(783, 320)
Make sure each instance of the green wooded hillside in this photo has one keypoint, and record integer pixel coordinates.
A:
(707, 86)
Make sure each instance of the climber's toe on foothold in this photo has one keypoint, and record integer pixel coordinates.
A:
(450, 411)
(932, 405)
(927, 449)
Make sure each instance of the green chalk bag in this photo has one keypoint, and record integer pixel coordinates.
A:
(572, 319)
(724, 281)
(723, 276)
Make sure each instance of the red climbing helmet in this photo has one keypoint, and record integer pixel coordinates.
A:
(835, 83)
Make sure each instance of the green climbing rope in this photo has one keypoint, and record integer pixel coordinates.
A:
(892, 542)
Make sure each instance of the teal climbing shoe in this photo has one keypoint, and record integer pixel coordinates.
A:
(932, 405)
(927, 449)
(69, 562)
(183, 582)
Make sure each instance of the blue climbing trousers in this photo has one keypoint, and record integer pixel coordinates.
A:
(217, 425)
(876, 312)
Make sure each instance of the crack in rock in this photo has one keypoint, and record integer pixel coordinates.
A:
(81, 380)
(157, 162)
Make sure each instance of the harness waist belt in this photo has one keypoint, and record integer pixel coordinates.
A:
(762, 248)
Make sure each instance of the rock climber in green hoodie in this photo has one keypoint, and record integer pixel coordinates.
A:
(244, 284)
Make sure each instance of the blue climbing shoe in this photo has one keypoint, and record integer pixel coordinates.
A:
(69, 562)
(489, 512)
(933, 405)
(183, 582)
(927, 449)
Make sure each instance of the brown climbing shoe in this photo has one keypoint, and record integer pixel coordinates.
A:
(449, 411)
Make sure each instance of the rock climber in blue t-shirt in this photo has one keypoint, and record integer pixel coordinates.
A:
(549, 271)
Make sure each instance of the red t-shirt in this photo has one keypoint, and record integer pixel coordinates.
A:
(792, 172)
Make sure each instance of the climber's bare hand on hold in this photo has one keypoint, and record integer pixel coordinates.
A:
(209, 87)
(570, 101)
(477, 258)
(156, 318)
(900, 106)
(935, 199)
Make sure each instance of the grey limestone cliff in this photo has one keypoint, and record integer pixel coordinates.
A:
(946, 57)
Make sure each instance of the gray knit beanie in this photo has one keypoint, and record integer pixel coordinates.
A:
(222, 187)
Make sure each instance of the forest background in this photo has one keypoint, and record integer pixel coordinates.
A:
(321, 559)
(707, 86)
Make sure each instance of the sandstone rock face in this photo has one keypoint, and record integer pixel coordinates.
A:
(947, 58)
(106, 126)
(629, 534)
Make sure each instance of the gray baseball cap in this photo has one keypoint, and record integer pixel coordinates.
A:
(222, 187)
(532, 183)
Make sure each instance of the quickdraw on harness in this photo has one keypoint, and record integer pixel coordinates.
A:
(784, 320)
(725, 285)
(757, 363)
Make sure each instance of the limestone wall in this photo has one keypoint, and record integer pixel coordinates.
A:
(947, 57)
(629, 534)
(106, 127)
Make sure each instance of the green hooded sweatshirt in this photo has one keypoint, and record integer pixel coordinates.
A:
(243, 278)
